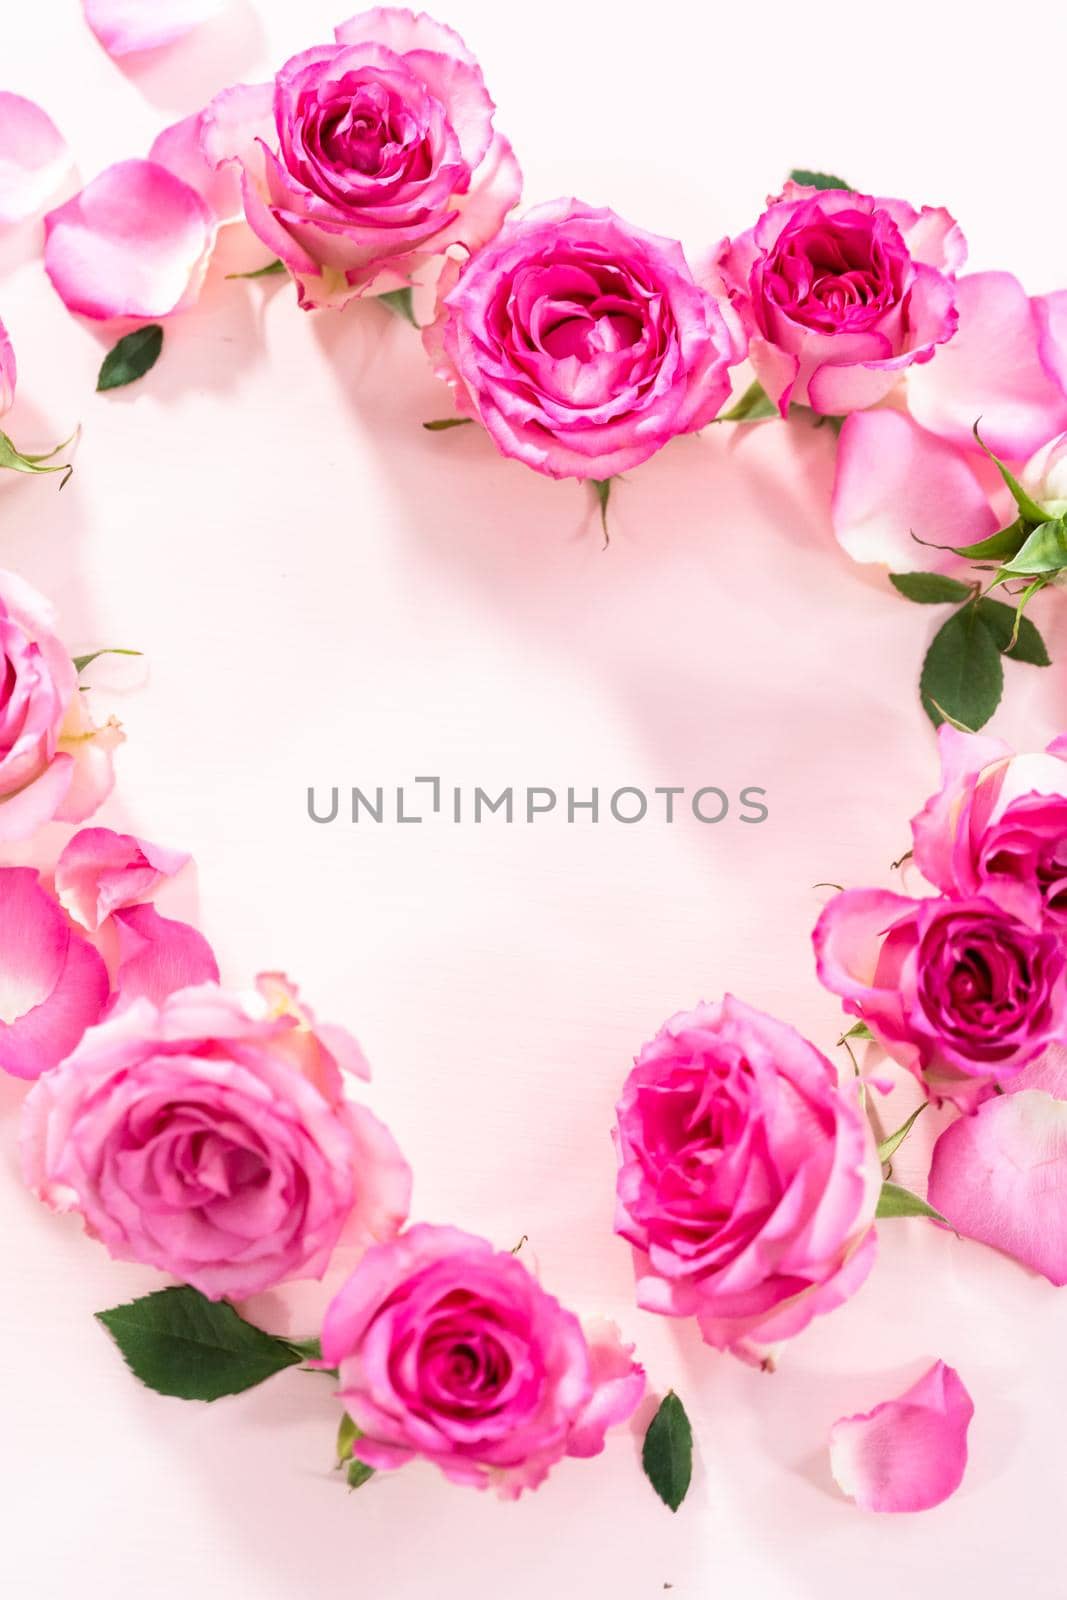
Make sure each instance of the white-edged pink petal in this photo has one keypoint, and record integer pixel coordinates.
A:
(401, 31)
(1001, 1177)
(179, 148)
(99, 872)
(907, 1454)
(8, 370)
(894, 480)
(34, 157)
(125, 27)
(991, 372)
(53, 984)
(157, 956)
(134, 243)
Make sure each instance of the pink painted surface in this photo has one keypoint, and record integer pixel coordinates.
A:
(327, 594)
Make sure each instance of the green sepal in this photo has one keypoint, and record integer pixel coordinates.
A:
(890, 1145)
(441, 424)
(1045, 550)
(14, 459)
(400, 303)
(1007, 543)
(81, 662)
(755, 405)
(1028, 509)
(273, 269)
(602, 490)
(895, 1201)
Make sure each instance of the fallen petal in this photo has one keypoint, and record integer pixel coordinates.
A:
(158, 956)
(127, 26)
(907, 1454)
(34, 157)
(99, 872)
(1001, 1177)
(53, 984)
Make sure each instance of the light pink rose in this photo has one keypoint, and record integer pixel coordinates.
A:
(841, 293)
(960, 992)
(1001, 1177)
(582, 343)
(998, 826)
(748, 1178)
(212, 1139)
(53, 762)
(366, 160)
(910, 1453)
(53, 983)
(1045, 476)
(34, 157)
(100, 871)
(125, 27)
(450, 1350)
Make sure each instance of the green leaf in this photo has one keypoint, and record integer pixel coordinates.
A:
(180, 1343)
(17, 462)
(347, 1434)
(1008, 542)
(1028, 509)
(895, 1201)
(81, 662)
(892, 1144)
(441, 423)
(273, 269)
(358, 1473)
(400, 304)
(962, 677)
(753, 406)
(818, 180)
(1016, 636)
(858, 1030)
(929, 588)
(1045, 550)
(602, 490)
(667, 1454)
(131, 358)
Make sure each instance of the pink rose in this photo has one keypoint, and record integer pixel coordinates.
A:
(748, 1178)
(998, 826)
(582, 343)
(958, 991)
(212, 1140)
(53, 762)
(840, 293)
(450, 1350)
(366, 160)
(53, 983)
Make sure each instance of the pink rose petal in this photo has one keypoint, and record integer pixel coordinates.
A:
(53, 984)
(907, 1454)
(127, 26)
(992, 372)
(1001, 1177)
(158, 956)
(134, 243)
(100, 871)
(895, 480)
(8, 370)
(179, 148)
(1051, 312)
(34, 157)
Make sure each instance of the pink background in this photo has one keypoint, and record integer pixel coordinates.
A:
(327, 594)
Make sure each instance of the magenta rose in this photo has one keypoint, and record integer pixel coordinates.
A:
(748, 1178)
(998, 826)
(53, 762)
(211, 1139)
(450, 1350)
(841, 293)
(366, 160)
(960, 992)
(582, 343)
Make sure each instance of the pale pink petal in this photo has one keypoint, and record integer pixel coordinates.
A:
(618, 1388)
(1051, 313)
(127, 26)
(34, 157)
(835, 391)
(907, 1454)
(936, 239)
(401, 31)
(991, 372)
(99, 871)
(158, 956)
(235, 122)
(8, 370)
(895, 480)
(180, 149)
(53, 984)
(776, 370)
(23, 813)
(134, 243)
(90, 750)
(383, 1200)
(1001, 1177)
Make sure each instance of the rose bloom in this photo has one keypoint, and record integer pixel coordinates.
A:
(582, 343)
(451, 1350)
(998, 825)
(841, 292)
(366, 160)
(211, 1138)
(1045, 476)
(748, 1178)
(960, 992)
(53, 762)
